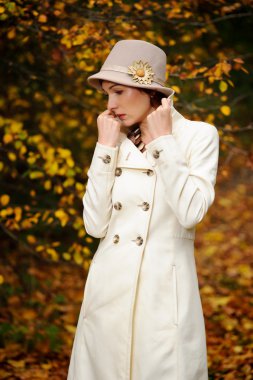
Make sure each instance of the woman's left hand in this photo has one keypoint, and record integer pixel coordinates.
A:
(159, 122)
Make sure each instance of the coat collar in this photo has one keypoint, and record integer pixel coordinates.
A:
(131, 157)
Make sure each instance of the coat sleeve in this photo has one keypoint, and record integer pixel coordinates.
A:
(97, 202)
(189, 183)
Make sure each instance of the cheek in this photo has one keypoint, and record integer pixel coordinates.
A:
(140, 104)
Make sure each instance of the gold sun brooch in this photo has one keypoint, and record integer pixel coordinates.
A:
(141, 72)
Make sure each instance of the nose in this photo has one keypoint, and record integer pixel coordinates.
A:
(112, 103)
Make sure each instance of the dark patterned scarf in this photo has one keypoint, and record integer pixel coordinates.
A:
(135, 136)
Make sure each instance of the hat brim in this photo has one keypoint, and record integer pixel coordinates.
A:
(125, 79)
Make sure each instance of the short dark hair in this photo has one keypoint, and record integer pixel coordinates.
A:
(155, 97)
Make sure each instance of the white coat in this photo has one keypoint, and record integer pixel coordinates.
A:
(141, 318)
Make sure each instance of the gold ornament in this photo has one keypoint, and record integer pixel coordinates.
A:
(142, 72)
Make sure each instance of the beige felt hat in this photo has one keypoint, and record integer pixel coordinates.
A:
(134, 63)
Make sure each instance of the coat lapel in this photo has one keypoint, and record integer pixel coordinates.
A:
(131, 157)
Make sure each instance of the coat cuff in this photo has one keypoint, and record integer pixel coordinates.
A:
(104, 158)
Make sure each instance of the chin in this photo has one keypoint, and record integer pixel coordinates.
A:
(130, 124)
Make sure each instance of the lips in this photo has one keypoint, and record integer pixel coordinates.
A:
(121, 115)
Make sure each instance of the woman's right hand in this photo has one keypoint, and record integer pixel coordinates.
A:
(108, 128)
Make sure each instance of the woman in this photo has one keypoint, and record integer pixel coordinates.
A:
(151, 180)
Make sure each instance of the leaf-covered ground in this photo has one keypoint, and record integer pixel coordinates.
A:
(41, 301)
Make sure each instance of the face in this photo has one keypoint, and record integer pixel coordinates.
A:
(130, 104)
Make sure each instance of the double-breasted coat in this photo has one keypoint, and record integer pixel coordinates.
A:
(141, 317)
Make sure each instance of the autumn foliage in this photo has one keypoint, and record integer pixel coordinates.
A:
(47, 136)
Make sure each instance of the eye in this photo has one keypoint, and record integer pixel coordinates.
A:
(118, 92)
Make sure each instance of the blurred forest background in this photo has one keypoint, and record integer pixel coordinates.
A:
(47, 135)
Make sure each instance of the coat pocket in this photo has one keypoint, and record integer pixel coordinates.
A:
(174, 295)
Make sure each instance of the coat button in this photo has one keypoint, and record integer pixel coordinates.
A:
(118, 172)
(150, 172)
(115, 239)
(138, 240)
(117, 206)
(145, 206)
(106, 159)
(156, 153)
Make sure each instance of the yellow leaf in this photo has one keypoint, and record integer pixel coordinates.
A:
(11, 34)
(229, 323)
(58, 189)
(53, 169)
(223, 86)
(70, 162)
(46, 366)
(209, 91)
(78, 258)
(238, 349)
(62, 216)
(1, 279)
(17, 363)
(66, 256)
(29, 314)
(56, 244)
(201, 86)
(79, 40)
(64, 153)
(210, 118)
(18, 213)
(32, 193)
(161, 41)
(238, 60)
(48, 185)
(81, 233)
(248, 324)
(42, 18)
(40, 248)
(86, 251)
(176, 89)
(79, 186)
(31, 239)
(36, 174)
(214, 236)
(207, 289)
(68, 182)
(225, 67)
(22, 150)
(86, 265)
(244, 70)
(138, 6)
(186, 38)
(70, 328)
(245, 270)
(5, 199)
(16, 126)
(6, 212)
(12, 156)
(226, 110)
(7, 138)
(1, 166)
(172, 42)
(52, 252)
(217, 301)
(2, 9)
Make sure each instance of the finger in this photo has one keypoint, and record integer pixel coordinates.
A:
(106, 112)
(165, 103)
